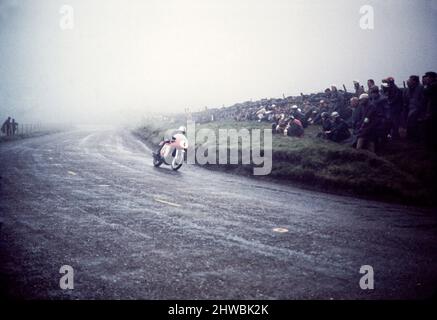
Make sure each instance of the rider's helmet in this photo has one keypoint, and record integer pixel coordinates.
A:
(182, 129)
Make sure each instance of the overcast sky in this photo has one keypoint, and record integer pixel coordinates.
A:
(123, 59)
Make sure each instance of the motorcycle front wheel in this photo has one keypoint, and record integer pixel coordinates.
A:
(178, 160)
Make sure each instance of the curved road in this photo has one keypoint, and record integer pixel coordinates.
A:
(90, 198)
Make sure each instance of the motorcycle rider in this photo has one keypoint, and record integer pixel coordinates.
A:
(180, 130)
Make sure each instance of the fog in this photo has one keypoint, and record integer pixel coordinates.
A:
(125, 59)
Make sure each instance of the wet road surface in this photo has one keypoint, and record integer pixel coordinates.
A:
(90, 198)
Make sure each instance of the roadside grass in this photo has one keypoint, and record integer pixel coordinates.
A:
(21, 136)
(401, 172)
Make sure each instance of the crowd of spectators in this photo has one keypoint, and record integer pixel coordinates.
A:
(367, 118)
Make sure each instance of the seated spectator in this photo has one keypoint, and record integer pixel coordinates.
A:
(323, 107)
(297, 114)
(326, 125)
(312, 114)
(281, 124)
(339, 130)
(294, 128)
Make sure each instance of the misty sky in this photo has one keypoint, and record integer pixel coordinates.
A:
(124, 59)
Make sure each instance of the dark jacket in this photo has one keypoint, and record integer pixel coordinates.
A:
(355, 121)
(369, 122)
(326, 124)
(339, 131)
(394, 100)
(431, 95)
(414, 103)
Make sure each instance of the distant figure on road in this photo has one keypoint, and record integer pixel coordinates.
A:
(14, 127)
(6, 127)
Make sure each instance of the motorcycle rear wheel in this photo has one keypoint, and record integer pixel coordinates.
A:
(157, 161)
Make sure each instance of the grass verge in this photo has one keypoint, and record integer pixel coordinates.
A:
(401, 172)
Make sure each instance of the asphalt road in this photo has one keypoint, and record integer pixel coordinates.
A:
(90, 198)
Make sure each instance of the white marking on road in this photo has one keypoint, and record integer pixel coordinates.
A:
(280, 230)
(166, 202)
(72, 173)
(104, 185)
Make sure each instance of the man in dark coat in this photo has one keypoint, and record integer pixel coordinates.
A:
(323, 107)
(382, 110)
(326, 125)
(414, 104)
(359, 89)
(369, 123)
(339, 131)
(430, 93)
(336, 100)
(395, 103)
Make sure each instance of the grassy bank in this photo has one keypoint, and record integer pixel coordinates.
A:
(402, 172)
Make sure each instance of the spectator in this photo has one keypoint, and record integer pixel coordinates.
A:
(414, 106)
(339, 130)
(359, 89)
(297, 114)
(382, 113)
(370, 84)
(327, 94)
(281, 124)
(294, 128)
(354, 121)
(310, 115)
(430, 93)
(326, 125)
(394, 101)
(323, 107)
(368, 124)
(336, 100)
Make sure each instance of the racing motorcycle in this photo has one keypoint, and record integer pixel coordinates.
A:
(172, 152)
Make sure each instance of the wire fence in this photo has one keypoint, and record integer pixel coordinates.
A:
(27, 129)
